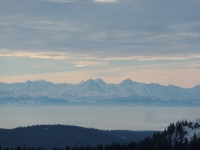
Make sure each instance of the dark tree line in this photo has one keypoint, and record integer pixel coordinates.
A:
(157, 142)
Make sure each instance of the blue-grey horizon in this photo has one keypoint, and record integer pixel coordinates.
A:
(73, 40)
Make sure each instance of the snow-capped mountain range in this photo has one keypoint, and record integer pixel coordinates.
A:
(96, 92)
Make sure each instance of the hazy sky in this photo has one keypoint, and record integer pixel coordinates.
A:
(73, 40)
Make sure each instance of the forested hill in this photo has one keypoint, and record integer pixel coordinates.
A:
(182, 135)
(49, 136)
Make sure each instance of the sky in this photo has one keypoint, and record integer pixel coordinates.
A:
(106, 118)
(148, 41)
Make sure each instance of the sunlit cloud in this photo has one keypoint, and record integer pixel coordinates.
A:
(110, 39)
(41, 55)
(80, 65)
(89, 63)
(93, 56)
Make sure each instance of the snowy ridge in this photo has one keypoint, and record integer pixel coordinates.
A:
(80, 83)
(193, 129)
(96, 92)
(184, 131)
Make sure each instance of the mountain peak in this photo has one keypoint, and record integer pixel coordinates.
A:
(38, 83)
(127, 82)
(89, 82)
(197, 87)
(80, 83)
(100, 81)
(29, 81)
(92, 86)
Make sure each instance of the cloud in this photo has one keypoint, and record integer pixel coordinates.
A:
(68, 1)
(96, 34)
(47, 25)
(140, 29)
(105, 1)
(89, 63)
(80, 65)
(155, 58)
(94, 56)
(41, 55)
(81, 1)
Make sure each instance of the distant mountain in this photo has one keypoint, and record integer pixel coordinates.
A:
(100, 82)
(96, 93)
(49, 136)
(92, 86)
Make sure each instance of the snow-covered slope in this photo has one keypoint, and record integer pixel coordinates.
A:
(192, 130)
(184, 130)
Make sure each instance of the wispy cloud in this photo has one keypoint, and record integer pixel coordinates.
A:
(81, 1)
(155, 58)
(89, 63)
(49, 25)
(94, 56)
(41, 55)
(100, 35)
(68, 1)
(46, 25)
(105, 1)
